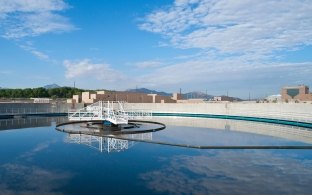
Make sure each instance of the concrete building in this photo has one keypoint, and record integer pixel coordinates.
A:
(89, 98)
(296, 93)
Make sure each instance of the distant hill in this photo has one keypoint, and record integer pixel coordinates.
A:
(51, 86)
(149, 91)
(190, 95)
(197, 94)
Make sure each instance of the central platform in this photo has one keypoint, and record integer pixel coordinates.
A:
(112, 111)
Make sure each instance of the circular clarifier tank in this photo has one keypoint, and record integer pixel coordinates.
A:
(202, 133)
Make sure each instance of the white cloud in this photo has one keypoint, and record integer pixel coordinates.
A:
(148, 64)
(237, 42)
(24, 18)
(8, 6)
(234, 26)
(5, 72)
(39, 54)
(85, 68)
(226, 72)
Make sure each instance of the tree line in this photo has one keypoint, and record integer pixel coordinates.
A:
(62, 92)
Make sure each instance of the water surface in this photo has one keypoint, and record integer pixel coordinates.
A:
(45, 161)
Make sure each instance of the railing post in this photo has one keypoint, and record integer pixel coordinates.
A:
(101, 109)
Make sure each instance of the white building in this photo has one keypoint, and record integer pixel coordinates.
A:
(274, 98)
(41, 100)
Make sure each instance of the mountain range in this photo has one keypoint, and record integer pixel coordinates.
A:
(51, 86)
(148, 91)
(189, 95)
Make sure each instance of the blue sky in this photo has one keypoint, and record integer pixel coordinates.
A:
(216, 45)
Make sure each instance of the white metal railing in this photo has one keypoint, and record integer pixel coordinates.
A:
(112, 111)
(107, 144)
(139, 114)
(101, 143)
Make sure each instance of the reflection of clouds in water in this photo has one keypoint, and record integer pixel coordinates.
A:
(20, 179)
(203, 131)
(212, 137)
(41, 146)
(251, 172)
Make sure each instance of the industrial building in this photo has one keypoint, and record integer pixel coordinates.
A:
(90, 98)
(296, 93)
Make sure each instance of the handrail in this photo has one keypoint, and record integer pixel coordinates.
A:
(112, 111)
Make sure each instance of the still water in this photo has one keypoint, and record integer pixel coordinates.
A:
(37, 159)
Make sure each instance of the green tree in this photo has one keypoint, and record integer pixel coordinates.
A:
(63, 92)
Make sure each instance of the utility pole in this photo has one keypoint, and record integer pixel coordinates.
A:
(73, 102)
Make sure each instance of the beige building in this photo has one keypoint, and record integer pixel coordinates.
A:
(296, 93)
(89, 98)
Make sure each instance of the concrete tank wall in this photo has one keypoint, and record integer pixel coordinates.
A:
(21, 123)
(289, 111)
(295, 111)
(15, 108)
(286, 132)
